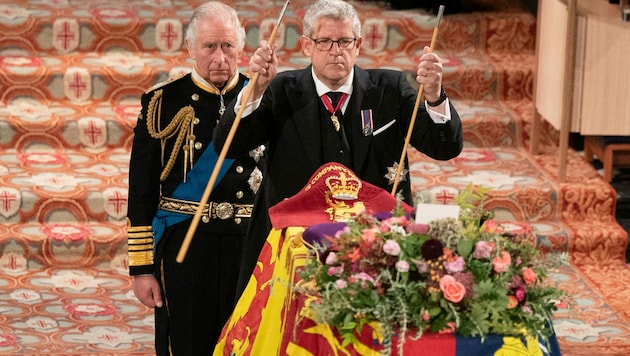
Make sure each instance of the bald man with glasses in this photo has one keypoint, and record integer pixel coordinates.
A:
(334, 111)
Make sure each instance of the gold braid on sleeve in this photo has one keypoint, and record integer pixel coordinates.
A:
(181, 125)
(139, 245)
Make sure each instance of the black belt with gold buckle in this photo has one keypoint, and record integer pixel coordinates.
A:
(212, 210)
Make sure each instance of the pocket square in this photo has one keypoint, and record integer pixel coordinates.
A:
(383, 128)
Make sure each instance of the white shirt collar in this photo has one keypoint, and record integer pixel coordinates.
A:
(323, 89)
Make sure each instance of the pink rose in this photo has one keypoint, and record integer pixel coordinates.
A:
(341, 284)
(402, 266)
(457, 265)
(452, 289)
(335, 270)
(502, 262)
(331, 259)
(369, 235)
(491, 226)
(363, 277)
(484, 249)
(391, 248)
(529, 276)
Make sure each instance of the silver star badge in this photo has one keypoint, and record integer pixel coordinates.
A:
(391, 173)
(257, 152)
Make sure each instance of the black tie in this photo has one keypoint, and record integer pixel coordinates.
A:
(334, 97)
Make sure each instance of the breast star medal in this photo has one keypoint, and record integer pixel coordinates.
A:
(391, 173)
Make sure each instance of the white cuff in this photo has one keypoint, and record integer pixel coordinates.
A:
(249, 108)
(437, 117)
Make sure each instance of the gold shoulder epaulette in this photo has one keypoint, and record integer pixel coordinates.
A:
(171, 79)
(158, 86)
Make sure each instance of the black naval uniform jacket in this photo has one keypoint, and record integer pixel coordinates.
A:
(149, 156)
(292, 120)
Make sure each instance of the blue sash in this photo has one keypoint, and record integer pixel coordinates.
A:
(192, 190)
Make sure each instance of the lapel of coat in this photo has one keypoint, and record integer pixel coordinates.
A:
(364, 96)
(306, 116)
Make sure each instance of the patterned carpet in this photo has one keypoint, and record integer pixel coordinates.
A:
(71, 74)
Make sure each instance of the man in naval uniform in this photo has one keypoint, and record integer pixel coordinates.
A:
(172, 159)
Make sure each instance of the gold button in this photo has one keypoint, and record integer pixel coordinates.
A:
(239, 194)
(196, 121)
(205, 219)
(237, 221)
(198, 145)
(195, 97)
(239, 169)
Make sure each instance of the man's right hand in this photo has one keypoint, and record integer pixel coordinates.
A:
(147, 290)
(265, 63)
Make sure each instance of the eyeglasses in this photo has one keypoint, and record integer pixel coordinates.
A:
(325, 44)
